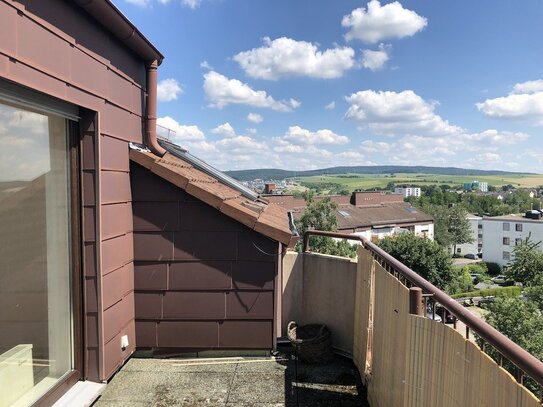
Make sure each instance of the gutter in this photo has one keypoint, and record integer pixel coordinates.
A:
(105, 13)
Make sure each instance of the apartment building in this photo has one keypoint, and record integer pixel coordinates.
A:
(503, 233)
(407, 191)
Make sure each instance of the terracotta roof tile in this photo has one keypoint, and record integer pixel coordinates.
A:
(269, 220)
(235, 209)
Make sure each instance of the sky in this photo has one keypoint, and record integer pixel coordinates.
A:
(311, 84)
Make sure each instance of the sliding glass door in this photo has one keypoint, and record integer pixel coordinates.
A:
(36, 256)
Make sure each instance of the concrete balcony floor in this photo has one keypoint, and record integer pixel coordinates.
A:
(236, 382)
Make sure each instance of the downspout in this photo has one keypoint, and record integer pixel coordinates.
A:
(151, 107)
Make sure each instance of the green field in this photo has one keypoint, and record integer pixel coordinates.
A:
(368, 181)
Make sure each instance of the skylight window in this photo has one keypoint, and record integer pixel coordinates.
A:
(344, 214)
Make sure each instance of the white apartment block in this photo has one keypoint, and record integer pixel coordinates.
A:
(483, 186)
(502, 233)
(407, 191)
(476, 246)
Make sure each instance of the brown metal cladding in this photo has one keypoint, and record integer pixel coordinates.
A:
(221, 271)
(188, 334)
(155, 216)
(54, 47)
(151, 276)
(200, 275)
(146, 332)
(245, 334)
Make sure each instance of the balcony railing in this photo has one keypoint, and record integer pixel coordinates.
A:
(414, 358)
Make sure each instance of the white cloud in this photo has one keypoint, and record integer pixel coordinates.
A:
(528, 87)
(168, 90)
(139, 3)
(255, 118)
(395, 113)
(222, 91)
(225, 130)
(179, 133)
(191, 3)
(251, 131)
(205, 65)
(330, 106)
(301, 136)
(378, 23)
(285, 57)
(375, 60)
(524, 103)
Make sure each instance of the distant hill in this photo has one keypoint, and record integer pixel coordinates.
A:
(272, 173)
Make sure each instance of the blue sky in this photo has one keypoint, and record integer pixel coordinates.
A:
(313, 83)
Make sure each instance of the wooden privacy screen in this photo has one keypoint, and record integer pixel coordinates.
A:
(407, 360)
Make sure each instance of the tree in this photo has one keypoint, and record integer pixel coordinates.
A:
(527, 264)
(424, 256)
(458, 227)
(451, 227)
(321, 215)
(521, 321)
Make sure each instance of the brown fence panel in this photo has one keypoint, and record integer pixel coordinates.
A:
(408, 360)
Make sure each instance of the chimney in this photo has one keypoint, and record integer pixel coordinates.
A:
(269, 188)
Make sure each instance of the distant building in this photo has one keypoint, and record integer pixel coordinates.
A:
(476, 185)
(476, 246)
(407, 191)
(503, 233)
(373, 215)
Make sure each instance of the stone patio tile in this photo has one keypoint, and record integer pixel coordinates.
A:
(258, 388)
(169, 388)
(179, 365)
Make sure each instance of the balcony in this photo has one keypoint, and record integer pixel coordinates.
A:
(387, 349)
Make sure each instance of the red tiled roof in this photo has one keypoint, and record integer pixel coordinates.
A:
(269, 220)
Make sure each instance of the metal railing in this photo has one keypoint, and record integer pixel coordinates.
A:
(527, 364)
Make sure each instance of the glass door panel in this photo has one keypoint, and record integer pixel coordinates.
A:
(36, 338)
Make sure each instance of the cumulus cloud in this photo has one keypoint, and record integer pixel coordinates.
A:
(378, 23)
(330, 106)
(191, 3)
(205, 65)
(301, 136)
(222, 91)
(225, 130)
(178, 133)
(528, 87)
(524, 103)
(168, 90)
(394, 113)
(375, 60)
(284, 57)
(255, 118)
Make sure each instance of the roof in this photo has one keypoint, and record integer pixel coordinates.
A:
(513, 218)
(111, 18)
(389, 214)
(394, 214)
(269, 220)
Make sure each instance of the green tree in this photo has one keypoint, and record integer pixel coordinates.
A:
(424, 256)
(451, 227)
(527, 263)
(521, 321)
(461, 282)
(321, 215)
(458, 226)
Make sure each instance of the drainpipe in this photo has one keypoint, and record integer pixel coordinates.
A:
(150, 117)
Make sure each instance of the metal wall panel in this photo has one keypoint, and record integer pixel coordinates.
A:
(203, 280)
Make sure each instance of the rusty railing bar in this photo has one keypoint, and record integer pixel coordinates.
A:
(513, 352)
